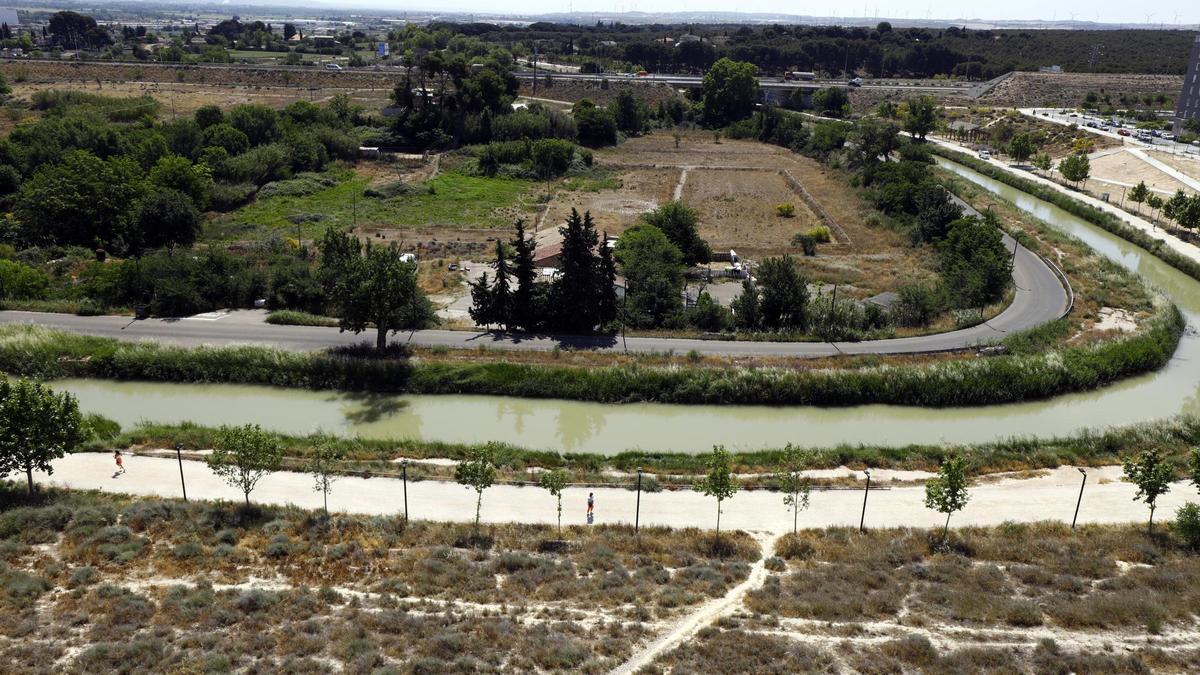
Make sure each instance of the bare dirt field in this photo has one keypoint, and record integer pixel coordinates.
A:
(737, 210)
(1122, 170)
(562, 90)
(735, 186)
(1069, 89)
(615, 209)
(1187, 166)
(183, 98)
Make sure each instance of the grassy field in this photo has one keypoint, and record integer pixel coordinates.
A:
(102, 583)
(447, 201)
(1036, 598)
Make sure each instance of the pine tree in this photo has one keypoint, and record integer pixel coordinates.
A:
(525, 313)
(747, 313)
(481, 301)
(608, 282)
(502, 310)
(575, 289)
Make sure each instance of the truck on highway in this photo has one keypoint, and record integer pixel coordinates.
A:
(799, 76)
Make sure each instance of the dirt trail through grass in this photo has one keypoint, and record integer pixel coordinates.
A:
(706, 614)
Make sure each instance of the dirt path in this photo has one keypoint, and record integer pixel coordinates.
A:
(1048, 496)
(707, 613)
(678, 195)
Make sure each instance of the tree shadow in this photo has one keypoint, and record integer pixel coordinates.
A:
(372, 407)
(580, 342)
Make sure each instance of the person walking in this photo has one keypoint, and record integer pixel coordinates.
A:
(120, 460)
(591, 510)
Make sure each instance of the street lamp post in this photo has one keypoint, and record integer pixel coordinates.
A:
(863, 519)
(637, 512)
(404, 474)
(1080, 500)
(179, 458)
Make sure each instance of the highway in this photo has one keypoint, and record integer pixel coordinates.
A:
(1040, 297)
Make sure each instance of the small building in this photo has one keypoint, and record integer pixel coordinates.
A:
(1053, 70)
(548, 256)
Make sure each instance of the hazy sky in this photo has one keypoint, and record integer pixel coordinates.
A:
(1107, 11)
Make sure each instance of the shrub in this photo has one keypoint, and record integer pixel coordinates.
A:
(785, 210)
(83, 576)
(1187, 525)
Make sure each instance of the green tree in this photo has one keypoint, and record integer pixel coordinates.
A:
(975, 262)
(1021, 147)
(596, 126)
(1042, 162)
(795, 486)
(653, 269)
(831, 101)
(681, 224)
(630, 113)
(19, 281)
(607, 292)
(477, 471)
(1075, 168)
(730, 92)
(525, 310)
(83, 201)
(920, 116)
(1152, 475)
(260, 123)
(321, 465)
(373, 285)
(493, 304)
(947, 492)
(718, 482)
(576, 290)
(1138, 194)
(747, 307)
(37, 426)
(244, 455)
(208, 115)
(178, 173)
(784, 294)
(1154, 202)
(165, 218)
(554, 482)
(224, 135)
(1176, 205)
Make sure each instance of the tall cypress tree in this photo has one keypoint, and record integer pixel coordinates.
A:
(481, 301)
(607, 287)
(575, 306)
(502, 300)
(524, 311)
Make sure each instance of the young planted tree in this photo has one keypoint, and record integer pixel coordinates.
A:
(243, 455)
(719, 482)
(477, 471)
(1138, 194)
(947, 492)
(1043, 162)
(1194, 467)
(1152, 475)
(796, 487)
(554, 482)
(321, 464)
(1155, 203)
(37, 426)
(1075, 168)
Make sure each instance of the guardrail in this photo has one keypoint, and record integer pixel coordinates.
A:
(1062, 279)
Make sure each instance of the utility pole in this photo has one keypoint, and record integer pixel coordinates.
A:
(637, 512)
(863, 519)
(179, 458)
(404, 470)
(1080, 500)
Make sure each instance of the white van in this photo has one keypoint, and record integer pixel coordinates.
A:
(984, 154)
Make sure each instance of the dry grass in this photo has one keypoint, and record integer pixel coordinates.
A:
(1035, 598)
(102, 583)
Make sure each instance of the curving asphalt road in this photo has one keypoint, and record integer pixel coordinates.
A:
(1040, 297)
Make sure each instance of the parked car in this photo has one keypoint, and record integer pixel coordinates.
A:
(984, 154)
(1122, 131)
(856, 82)
(1168, 136)
(332, 66)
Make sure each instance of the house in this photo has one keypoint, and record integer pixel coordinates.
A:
(548, 256)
